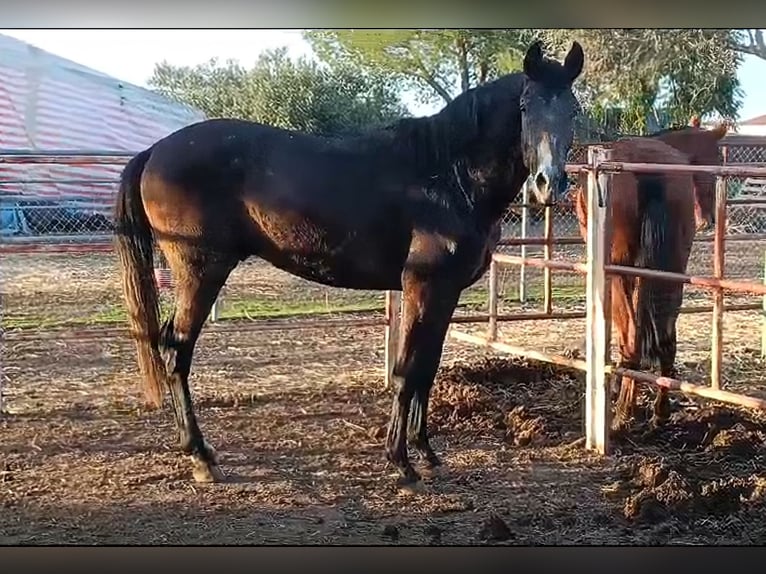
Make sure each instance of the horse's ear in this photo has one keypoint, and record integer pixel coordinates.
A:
(720, 130)
(533, 59)
(574, 61)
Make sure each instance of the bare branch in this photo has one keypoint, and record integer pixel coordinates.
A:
(755, 45)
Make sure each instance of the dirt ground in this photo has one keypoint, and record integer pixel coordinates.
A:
(298, 425)
(298, 419)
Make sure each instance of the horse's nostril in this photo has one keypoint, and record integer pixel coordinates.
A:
(541, 181)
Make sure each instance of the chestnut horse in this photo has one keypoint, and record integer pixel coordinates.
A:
(653, 226)
(702, 148)
(413, 207)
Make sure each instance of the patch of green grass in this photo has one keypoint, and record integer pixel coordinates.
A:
(270, 308)
(273, 308)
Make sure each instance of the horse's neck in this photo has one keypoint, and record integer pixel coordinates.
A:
(493, 200)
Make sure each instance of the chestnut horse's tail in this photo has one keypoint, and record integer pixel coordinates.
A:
(654, 253)
(135, 248)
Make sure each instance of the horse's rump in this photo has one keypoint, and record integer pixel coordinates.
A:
(653, 227)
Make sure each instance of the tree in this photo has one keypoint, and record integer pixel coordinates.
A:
(749, 41)
(645, 72)
(296, 94)
(435, 64)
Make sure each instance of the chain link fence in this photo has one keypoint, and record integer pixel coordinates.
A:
(48, 207)
(56, 197)
(744, 256)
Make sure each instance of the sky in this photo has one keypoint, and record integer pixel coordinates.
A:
(130, 55)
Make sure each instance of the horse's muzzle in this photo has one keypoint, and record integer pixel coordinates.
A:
(548, 185)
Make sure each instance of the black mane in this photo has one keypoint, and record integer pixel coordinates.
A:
(671, 129)
(438, 141)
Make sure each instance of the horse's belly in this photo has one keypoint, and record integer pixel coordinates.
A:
(328, 252)
(339, 271)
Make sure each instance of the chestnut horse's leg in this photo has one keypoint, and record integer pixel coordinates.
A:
(426, 314)
(198, 283)
(624, 317)
(668, 349)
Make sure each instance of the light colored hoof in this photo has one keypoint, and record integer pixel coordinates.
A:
(411, 488)
(205, 473)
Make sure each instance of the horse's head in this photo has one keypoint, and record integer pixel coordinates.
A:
(548, 109)
(706, 151)
(702, 148)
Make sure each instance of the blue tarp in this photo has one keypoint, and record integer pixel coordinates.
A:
(12, 221)
(41, 218)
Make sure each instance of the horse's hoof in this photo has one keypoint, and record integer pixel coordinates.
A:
(657, 422)
(430, 470)
(408, 487)
(206, 473)
(620, 428)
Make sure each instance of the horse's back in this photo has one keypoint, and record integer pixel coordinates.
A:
(326, 209)
(192, 181)
(677, 198)
(678, 188)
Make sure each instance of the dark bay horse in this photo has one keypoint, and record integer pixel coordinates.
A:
(653, 226)
(414, 207)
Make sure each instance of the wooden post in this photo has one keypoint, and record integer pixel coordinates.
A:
(492, 327)
(719, 252)
(214, 312)
(597, 408)
(763, 312)
(547, 254)
(524, 225)
(393, 318)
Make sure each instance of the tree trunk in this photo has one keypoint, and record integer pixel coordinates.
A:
(462, 51)
(483, 71)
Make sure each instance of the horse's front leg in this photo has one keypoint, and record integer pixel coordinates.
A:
(429, 301)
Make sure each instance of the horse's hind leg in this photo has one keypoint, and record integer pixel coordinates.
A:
(629, 355)
(199, 280)
(668, 350)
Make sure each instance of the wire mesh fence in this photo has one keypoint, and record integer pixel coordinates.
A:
(57, 203)
(58, 196)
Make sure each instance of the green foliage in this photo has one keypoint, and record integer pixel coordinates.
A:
(631, 75)
(435, 64)
(681, 72)
(749, 41)
(297, 94)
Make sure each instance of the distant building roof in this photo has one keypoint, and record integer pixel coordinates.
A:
(50, 103)
(756, 121)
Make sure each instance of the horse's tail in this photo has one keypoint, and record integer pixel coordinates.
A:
(135, 246)
(653, 253)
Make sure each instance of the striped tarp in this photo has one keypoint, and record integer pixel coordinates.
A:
(50, 103)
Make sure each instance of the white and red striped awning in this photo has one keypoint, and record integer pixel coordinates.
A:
(50, 103)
